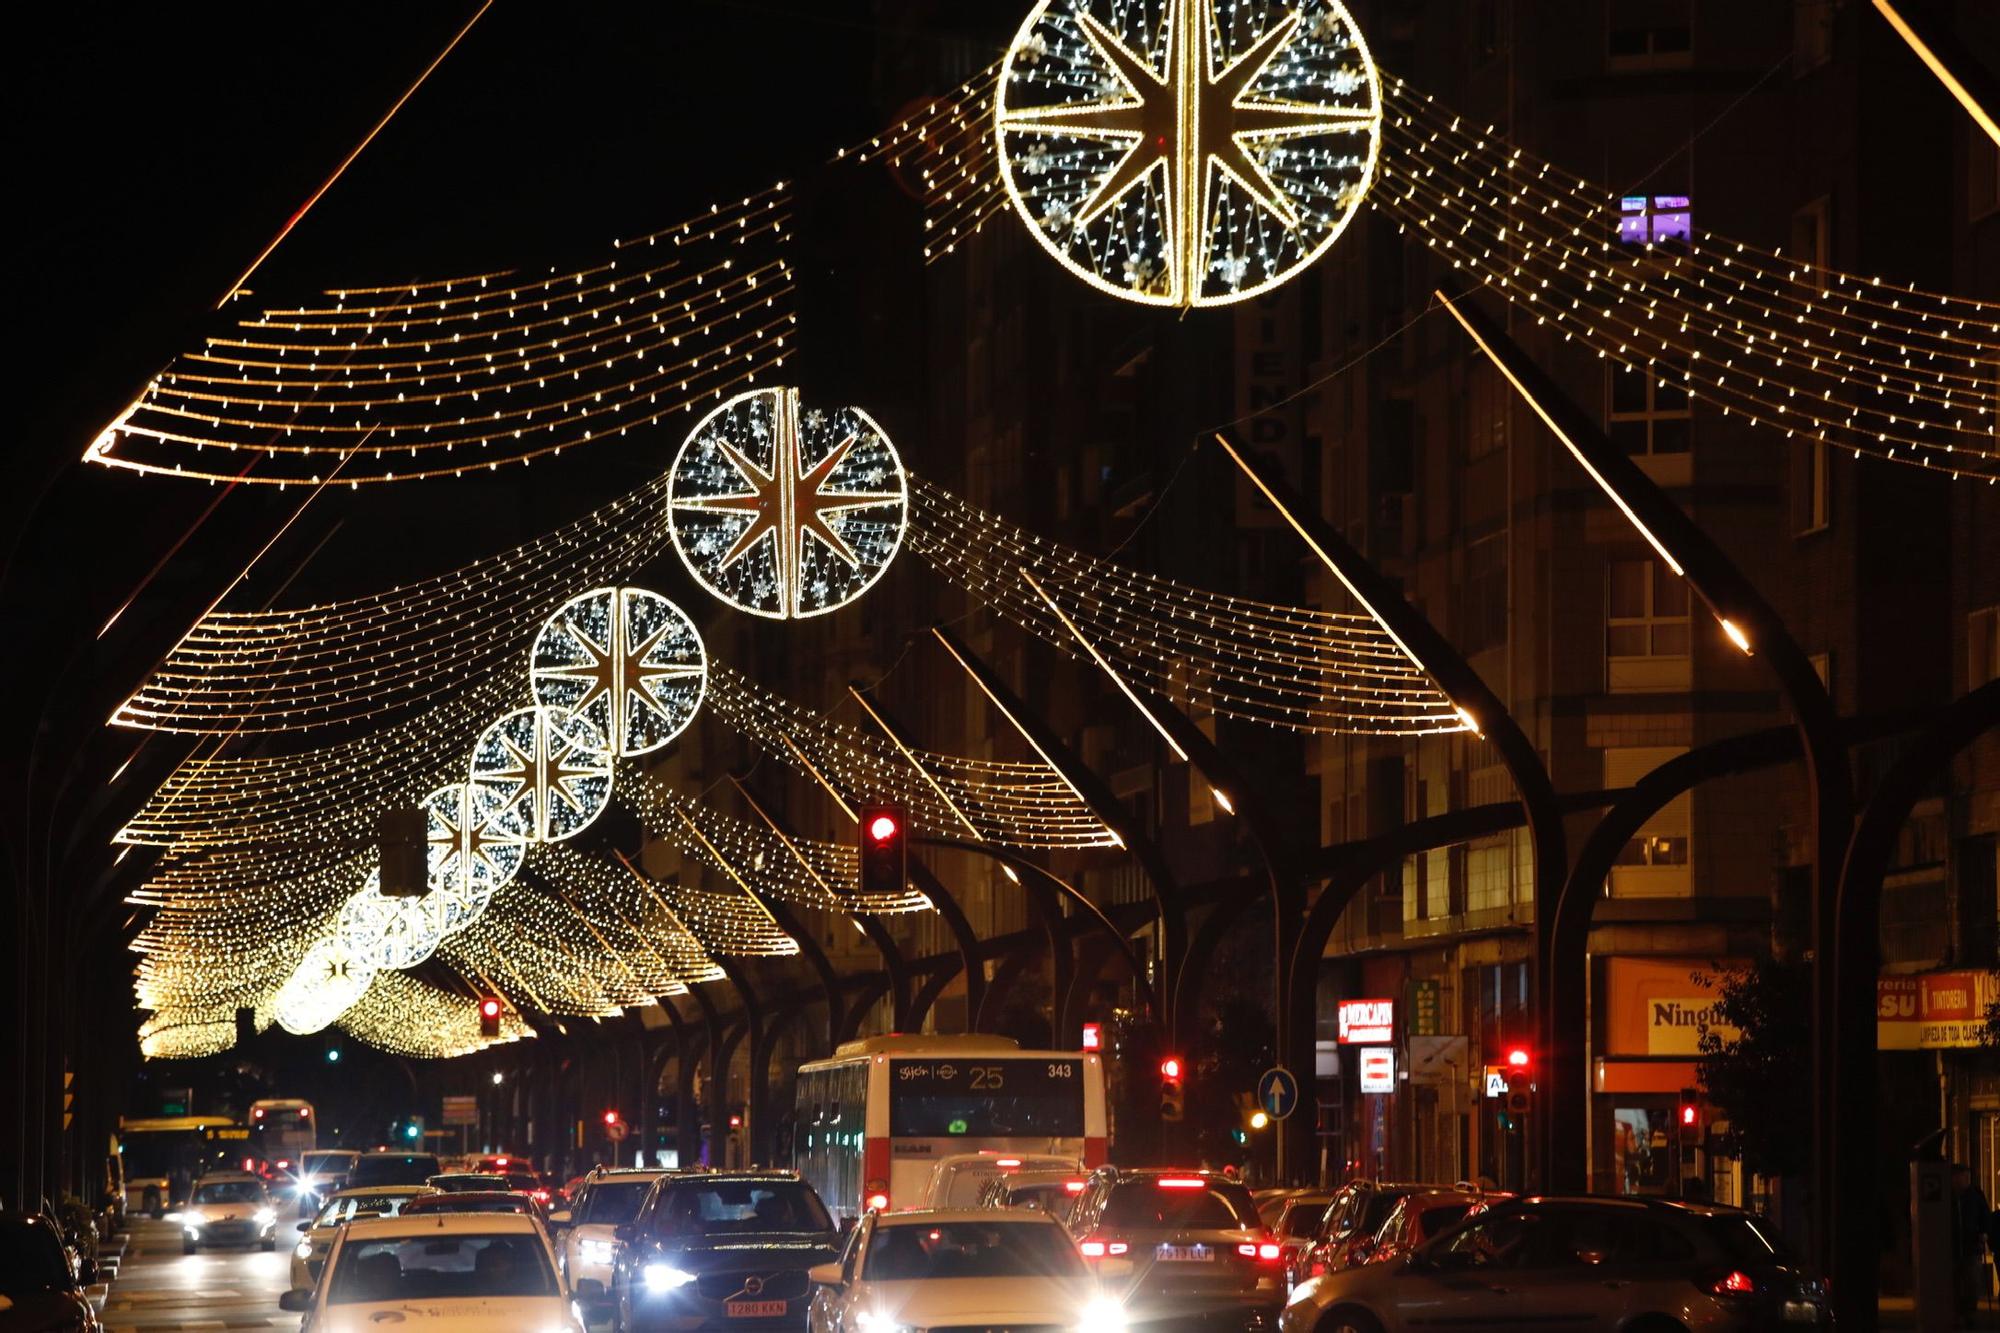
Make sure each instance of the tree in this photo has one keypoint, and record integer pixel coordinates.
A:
(1762, 1077)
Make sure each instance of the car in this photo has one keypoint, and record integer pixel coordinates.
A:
(443, 1270)
(39, 1290)
(1293, 1219)
(498, 1164)
(475, 1201)
(1051, 1192)
(461, 1182)
(1418, 1217)
(320, 1173)
(587, 1243)
(955, 1181)
(1590, 1263)
(228, 1208)
(1197, 1252)
(724, 1248)
(309, 1255)
(1357, 1212)
(526, 1181)
(928, 1269)
(392, 1168)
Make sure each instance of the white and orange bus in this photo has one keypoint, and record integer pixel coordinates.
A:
(873, 1120)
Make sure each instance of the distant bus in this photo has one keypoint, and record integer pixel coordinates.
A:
(282, 1131)
(872, 1120)
(162, 1156)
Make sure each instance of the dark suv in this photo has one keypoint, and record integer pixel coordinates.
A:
(728, 1248)
(1184, 1246)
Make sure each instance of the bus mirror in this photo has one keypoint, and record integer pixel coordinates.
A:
(296, 1301)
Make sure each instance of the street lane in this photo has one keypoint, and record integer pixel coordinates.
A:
(158, 1287)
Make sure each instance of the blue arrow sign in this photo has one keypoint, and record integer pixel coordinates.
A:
(1278, 1093)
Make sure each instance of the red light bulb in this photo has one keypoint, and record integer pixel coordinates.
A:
(882, 828)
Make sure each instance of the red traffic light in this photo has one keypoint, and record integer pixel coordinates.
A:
(1170, 1067)
(735, 1121)
(883, 827)
(489, 1008)
(611, 1117)
(1518, 1057)
(1688, 1116)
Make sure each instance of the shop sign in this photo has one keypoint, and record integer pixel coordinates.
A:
(1378, 1069)
(1937, 1011)
(1426, 1018)
(1367, 1022)
(1661, 1006)
(1496, 1080)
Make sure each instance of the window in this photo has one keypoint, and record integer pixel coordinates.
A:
(1658, 219)
(1982, 643)
(1812, 35)
(1654, 863)
(1647, 410)
(1646, 628)
(1811, 475)
(1649, 34)
(1483, 617)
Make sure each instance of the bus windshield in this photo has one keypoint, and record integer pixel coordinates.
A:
(986, 1098)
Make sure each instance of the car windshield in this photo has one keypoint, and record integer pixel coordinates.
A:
(465, 1203)
(394, 1169)
(1211, 1205)
(613, 1201)
(465, 1184)
(1047, 1198)
(230, 1191)
(522, 1180)
(31, 1261)
(441, 1267)
(918, 1252)
(734, 1206)
(330, 1163)
(349, 1206)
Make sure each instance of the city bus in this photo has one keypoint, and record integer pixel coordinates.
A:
(282, 1131)
(162, 1156)
(872, 1120)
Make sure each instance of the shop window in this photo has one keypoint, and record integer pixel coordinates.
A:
(1646, 632)
(1646, 413)
(1649, 34)
(1654, 863)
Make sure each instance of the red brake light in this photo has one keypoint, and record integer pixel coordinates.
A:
(1073, 1186)
(1737, 1283)
(1269, 1250)
(1247, 1250)
(257, 1114)
(1182, 1183)
(1005, 1162)
(878, 1202)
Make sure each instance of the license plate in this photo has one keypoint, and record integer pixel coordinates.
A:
(1198, 1254)
(1801, 1312)
(754, 1309)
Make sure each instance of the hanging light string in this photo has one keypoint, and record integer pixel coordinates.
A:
(406, 1015)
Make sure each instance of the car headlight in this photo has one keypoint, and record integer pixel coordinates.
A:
(304, 1250)
(597, 1251)
(1101, 1316)
(665, 1277)
(191, 1219)
(881, 1323)
(265, 1217)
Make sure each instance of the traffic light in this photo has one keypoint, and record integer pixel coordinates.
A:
(489, 1016)
(885, 849)
(1690, 1109)
(610, 1118)
(1519, 1059)
(1173, 1093)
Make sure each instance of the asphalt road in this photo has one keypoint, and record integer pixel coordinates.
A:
(158, 1287)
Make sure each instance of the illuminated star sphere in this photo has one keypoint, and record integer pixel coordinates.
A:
(391, 932)
(1187, 152)
(627, 662)
(467, 858)
(538, 781)
(327, 981)
(784, 511)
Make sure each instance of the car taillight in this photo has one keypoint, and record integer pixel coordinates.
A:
(1264, 1250)
(1735, 1283)
(1073, 1186)
(1182, 1183)
(1091, 1249)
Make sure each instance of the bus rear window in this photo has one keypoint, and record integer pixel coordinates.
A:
(985, 1098)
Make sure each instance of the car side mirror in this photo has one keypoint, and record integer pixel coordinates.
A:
(296, 1301)
(305, 1226)
(560, 1217)
(827, 1275)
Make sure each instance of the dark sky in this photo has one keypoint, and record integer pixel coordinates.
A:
(156, 148)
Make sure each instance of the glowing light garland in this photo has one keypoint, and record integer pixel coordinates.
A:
(784, 512)
(1187, 152)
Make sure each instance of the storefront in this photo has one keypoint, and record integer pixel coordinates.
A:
(1649, 1122)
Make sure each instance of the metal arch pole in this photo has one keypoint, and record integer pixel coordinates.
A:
(1562, 1015)
(757, 1095)
(971, 952)
(1098, 799)
(1857, 929)
(1948, 58)
(877, 935)
(927, 994)
(1749, 622)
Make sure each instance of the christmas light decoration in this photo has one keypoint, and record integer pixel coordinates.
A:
(325, 983)
(1187, 153)
(468, 859)
(391, 932)
(627, 663)
(539, 782)
(408, 1016)
(784, 512)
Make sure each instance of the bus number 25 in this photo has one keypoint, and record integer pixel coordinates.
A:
(986, 1078)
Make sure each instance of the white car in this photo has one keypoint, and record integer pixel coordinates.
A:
(309, 1255)
(588, 1250)
(229, 1208)
(956, 1181)
(438, 1273)
(990, 1267)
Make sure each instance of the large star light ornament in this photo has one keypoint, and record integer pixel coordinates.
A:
(625, 663)
(468, 859)
(391, 932)
(786, 511)
(1187, 152)
(541, 776)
